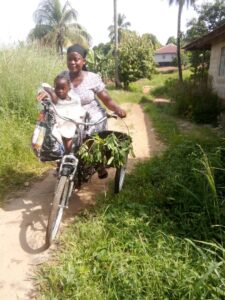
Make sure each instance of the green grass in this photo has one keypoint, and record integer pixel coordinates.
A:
(20, 79)
(121, 96)
(142, 243)
(161, 238)
(17, 161)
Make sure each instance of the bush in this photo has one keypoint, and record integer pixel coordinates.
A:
(194, 100)
(135, 58)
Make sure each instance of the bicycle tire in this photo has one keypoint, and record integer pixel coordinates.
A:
(120, 176)
(56, 213)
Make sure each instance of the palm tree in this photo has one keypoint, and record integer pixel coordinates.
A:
(115, 31)
(56, 24)
(121, 26)
(180, 4)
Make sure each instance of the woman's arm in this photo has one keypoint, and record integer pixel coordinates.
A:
(110, 104)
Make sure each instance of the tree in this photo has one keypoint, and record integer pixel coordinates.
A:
(101, 60)
(212, 14)
(171, 40)
(136, 59)
(122, 25)
(56, 24)
(152, 39)
(116, 42)
(180, 4)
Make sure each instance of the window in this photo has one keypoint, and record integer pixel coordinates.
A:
(222, 63)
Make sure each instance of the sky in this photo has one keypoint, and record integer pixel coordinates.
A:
(145, 16)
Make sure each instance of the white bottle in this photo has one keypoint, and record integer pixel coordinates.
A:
(38, 136)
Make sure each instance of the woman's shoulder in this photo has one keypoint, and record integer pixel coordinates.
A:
(92, 77)
(94, 82)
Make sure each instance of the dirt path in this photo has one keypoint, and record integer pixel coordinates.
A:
(23, 218)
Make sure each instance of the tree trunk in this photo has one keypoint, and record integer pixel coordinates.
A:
(117, 82)
(178, 41)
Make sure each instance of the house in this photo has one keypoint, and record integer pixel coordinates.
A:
(214, 41)
(164, 56)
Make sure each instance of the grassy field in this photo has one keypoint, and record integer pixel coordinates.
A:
(163, 236)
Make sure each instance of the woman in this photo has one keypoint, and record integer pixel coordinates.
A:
(89, 86)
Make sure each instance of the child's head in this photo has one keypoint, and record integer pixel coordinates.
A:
(62, 86)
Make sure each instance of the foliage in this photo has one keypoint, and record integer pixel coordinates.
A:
(199, 61)
(18, 99)
(135, 58)
(100, 60)
(110, 150)
(171, 40)
(152, 39)
(184, 59)
(194, 100)
(211, 15)
(122, 25)
(22, 71)
(56, 25)
(195, 30)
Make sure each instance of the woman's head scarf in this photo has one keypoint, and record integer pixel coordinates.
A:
(78, 49)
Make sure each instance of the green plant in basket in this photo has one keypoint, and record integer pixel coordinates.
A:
(106, 148)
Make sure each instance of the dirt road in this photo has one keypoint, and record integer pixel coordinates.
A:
(23, 217)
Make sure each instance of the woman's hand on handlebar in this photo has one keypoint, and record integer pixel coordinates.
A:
(120, 112)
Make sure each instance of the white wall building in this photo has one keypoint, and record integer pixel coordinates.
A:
(214, 41)
(164, 56)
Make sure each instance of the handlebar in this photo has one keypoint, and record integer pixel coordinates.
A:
(48, 102)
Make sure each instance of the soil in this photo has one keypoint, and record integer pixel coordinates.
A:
(168, 69)
(23, 217)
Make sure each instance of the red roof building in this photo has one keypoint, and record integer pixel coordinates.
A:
(165, 55)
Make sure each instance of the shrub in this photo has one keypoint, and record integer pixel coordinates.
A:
(194, 100)
(135, 58)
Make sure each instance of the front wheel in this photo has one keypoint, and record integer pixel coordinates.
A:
(58, 205)
(120, 176)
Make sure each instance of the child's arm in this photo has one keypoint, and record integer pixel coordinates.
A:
(52, 94)
(46, 91)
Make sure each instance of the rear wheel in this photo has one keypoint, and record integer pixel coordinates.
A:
(58, 205)
(120, 176)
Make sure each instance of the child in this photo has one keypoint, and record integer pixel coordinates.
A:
(67, 104)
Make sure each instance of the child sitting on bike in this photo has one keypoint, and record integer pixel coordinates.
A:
(67, 104)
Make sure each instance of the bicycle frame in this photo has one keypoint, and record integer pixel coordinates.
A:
(69, 162)
(72, 171)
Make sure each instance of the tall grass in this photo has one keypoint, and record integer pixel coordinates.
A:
(22, 71)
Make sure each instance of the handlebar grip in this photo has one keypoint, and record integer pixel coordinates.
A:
(111, 115)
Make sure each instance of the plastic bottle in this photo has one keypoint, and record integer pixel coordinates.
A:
(38, 136)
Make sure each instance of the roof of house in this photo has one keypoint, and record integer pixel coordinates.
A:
(168, 49)
(205, 42)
